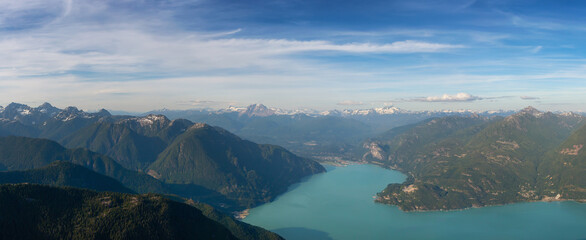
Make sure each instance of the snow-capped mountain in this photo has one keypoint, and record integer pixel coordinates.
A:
(27, 114)
(257, 110)
(380, 111)
(32, 116)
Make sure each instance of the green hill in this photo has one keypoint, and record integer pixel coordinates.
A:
(196, 160)
(41, 212)
(118, 141)
(563, 171)
(460, 162)
(255, 173)
(22, 153)
(61, 173)
(240, 169)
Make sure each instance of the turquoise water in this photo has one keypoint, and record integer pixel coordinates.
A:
(339, 205)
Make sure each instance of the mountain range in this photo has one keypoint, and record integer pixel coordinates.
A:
(243, 172)
(248, 174)
(323, 135)
(453, 160)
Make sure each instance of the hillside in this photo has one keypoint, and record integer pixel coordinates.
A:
(563, 170)
(239, 169)
(61, 173)
(71, 175)
(182, 154)
(240, 229)
(22, 153)
(120, 142)
(40, 212)
(460, 162)
(254, 174)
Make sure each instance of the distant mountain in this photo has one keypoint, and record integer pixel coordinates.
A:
(27, 115)
(459, 162)
(324, 135)
(60, 173)
(47, 121)
(240, 169)
(40, 212)
(68, 121)
(258, 110)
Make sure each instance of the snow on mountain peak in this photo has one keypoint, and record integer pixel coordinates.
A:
(152, 119)
(570, 114)
(531, 111)
(258, 110)
(70, 113)
(47, 108)
(387, 110)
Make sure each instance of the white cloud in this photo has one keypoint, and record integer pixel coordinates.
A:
(349, 103)
(73, 40)
(529, 98)
(122, 49)
(460, 97)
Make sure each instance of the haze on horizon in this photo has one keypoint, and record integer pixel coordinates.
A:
(179, 54)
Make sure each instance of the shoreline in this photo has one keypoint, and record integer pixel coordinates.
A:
(478, 207)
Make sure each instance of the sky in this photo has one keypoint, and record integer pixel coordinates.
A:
(140, 55)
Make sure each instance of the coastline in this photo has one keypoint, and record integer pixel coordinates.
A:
(580, 201)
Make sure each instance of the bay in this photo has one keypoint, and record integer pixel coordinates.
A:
(339, 205)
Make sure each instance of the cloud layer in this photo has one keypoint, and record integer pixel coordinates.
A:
(459, 97)
(350, 103)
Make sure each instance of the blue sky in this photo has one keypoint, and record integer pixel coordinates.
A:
(179, 54)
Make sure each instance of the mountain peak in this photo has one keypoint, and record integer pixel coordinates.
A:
(258, 110)
(47, 108)
(70, 113)
(530, 111)
(46, 105)
(17, 105)
(103, 113)
(71, 109)
(16, 110)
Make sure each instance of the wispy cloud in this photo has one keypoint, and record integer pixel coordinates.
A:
(350, 103)
(460, 97)
(529, 98)
(536, 49)
(130, 50)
